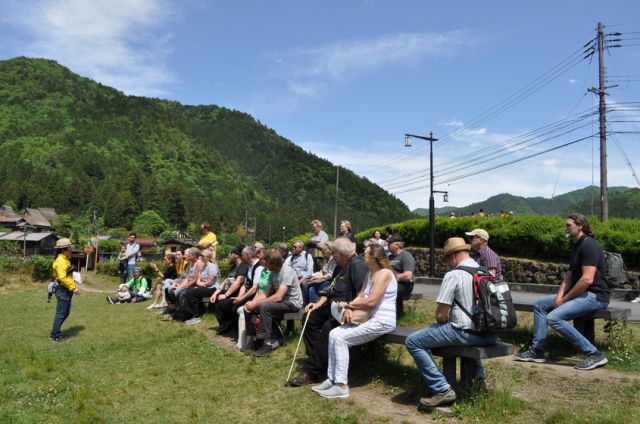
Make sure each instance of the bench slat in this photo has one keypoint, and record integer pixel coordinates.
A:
(400, 335)
(611, 313)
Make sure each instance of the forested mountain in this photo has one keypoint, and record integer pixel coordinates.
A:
(76, 145)
(623, 203)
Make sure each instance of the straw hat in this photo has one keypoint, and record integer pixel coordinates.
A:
(63, 243)
(453, 245)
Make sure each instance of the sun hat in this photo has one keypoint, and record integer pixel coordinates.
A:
(454, 245)
(63, 243)
(480, 233)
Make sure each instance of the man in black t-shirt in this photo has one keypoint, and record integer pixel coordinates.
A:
(404, 267)
(583, 290)
(224, 308)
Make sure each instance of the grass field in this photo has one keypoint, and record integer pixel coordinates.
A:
(123, 364)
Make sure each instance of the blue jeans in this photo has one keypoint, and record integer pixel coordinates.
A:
(130, 268)
(63, 308)
(315, 289)
(440, 335)
(544, 313)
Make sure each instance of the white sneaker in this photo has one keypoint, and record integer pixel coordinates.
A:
(193, 320)
(636, 300)
(326, 384)
(153, 305)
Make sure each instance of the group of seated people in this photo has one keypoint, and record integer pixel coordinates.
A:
(351, 299)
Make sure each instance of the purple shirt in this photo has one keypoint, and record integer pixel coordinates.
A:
(489, 259)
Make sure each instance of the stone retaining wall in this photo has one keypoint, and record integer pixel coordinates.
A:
(516, 270)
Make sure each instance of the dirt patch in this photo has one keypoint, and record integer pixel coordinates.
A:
(382, 407)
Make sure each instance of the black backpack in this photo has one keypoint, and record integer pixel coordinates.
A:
(493, 309)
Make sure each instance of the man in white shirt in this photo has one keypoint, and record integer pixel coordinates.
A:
(452, 328)
(302, 263)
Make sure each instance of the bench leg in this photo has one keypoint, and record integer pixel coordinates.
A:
(449, 369)
(586, 327)
(467, 368)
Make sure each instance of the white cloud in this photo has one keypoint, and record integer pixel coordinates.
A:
(309, 72)
(573, 81)
(116, 42)
(453, 123)
(341, 60)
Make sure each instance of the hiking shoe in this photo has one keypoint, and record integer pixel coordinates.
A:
(326, 384)
(193, 320)
(591, 361)
(438, 399)
(636, 300)
(59, 339)
(303, 379)
(530, 355)
(335, 392)
(110, 301)
(264, 350)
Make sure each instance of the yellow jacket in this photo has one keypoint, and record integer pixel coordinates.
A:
(60, 268)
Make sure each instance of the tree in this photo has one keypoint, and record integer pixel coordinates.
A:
(150, 223)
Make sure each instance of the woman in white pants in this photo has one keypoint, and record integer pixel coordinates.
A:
(378, 297)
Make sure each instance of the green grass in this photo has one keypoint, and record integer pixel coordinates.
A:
(124, 364)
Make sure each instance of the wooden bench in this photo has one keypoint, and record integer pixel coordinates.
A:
(451, 354)
(586, 323)
(297, 316)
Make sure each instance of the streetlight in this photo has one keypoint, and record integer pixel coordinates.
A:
(283, 239)
(432, 212)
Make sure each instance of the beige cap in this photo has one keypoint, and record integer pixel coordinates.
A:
(480, 233)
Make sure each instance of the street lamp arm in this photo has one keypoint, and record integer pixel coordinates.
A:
(421, 137)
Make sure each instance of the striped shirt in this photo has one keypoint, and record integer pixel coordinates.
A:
(456, 284)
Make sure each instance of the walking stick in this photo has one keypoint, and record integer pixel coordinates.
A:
(298, 347)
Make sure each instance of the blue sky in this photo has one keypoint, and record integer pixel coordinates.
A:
(346, 79)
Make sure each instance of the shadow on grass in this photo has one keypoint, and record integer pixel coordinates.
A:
(74, 331)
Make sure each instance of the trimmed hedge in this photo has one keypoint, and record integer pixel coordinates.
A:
(40, 267)
(533, 236)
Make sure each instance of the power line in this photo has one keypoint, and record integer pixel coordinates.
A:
(495, 167)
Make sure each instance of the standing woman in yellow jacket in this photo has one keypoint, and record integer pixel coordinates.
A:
(66, 288)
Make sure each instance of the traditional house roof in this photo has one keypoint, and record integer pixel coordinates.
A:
(19, 236)
(146, 241)
(34, 218)
(48, 213)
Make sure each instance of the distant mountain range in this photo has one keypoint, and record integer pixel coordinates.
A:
(624, 202)
(78, 146)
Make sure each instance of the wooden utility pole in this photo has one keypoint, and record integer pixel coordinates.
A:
(602, 107)
(601, 91)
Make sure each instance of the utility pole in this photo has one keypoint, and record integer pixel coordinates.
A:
(602, 108)
(335, 211)
(246, 225)
(601, 91)
(97, 241)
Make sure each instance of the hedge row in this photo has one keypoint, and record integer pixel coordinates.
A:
(39, 267)
(533, 237)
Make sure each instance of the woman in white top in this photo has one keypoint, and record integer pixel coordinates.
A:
(208, 282)
(378, 297)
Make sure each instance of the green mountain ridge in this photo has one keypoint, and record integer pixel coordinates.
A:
(623, 203)
(76, 145)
